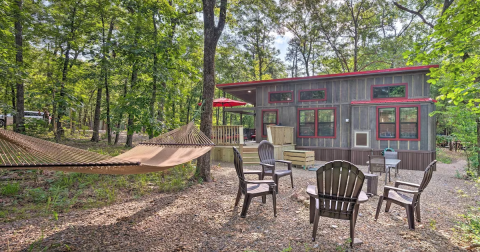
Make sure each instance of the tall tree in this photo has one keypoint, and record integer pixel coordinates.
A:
(20, 106)
(211, 35)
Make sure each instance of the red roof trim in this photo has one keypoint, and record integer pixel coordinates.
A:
(391, 70)
(394, 100)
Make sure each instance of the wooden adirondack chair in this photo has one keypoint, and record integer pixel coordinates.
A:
(339, 185)
(266, 153)
(398, 196)
(252, 188)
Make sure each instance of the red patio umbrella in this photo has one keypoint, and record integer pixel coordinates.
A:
(225, 102)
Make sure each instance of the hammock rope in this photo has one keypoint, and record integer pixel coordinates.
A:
(176, 147)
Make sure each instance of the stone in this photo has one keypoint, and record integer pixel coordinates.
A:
(334, 226)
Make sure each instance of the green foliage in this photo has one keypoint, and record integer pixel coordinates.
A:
(10, 189)
(443, 157)
(470, 227)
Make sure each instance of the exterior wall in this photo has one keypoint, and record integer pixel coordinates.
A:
(339, 94)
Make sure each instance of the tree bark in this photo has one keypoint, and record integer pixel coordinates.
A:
(155, 72)
(478, 146)
(96, 118)
(20, 121)
(211, 35)
(107, 91)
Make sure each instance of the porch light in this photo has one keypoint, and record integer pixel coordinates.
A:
(249, 91)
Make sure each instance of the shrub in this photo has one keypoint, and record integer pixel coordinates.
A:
(10, 189)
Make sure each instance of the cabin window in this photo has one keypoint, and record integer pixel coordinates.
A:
(269, 117)
(317, 122)
(398, 123)
(326, 122)
(312, 95)
(389, 91)
(282, 96)
(409, 122)
(307, 123)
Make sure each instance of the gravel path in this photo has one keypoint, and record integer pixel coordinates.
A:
(202, 218)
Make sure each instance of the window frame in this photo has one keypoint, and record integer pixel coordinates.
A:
(261, 120)
(316, 122)
(389, 85)
(279, 92)
(318, 89)
(397, 123)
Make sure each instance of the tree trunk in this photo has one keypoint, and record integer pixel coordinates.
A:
(478, 146)
(107, 91)
(96, 119)
(14, 103)
(211, 36)
(119, 123)
(20, 122)
(155, 72)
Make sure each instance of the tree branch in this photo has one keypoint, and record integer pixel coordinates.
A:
(221, 20)
(415, 13)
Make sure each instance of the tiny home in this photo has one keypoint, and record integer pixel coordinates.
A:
(349, 116)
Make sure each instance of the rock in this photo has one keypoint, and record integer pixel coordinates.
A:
(315, 246)
(301, 198)
(334, 226)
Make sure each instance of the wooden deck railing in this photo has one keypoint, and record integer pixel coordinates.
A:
(280, 135)
(227, 135)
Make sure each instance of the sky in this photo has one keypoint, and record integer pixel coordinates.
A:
(281, 43)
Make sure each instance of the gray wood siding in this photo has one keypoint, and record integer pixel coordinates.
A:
(339, 93)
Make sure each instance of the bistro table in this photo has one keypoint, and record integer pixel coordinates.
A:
(388, 164)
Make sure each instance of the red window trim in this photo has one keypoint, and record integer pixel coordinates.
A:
(386, 85)
(316, 122)
(276, 117)
(274, 92)
(324, 90)
(397, 123)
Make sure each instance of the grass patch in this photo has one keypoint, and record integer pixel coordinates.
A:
(444, 156)
(470, 227)
(10, 189)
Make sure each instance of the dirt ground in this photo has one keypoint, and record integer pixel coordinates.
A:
(202, 218)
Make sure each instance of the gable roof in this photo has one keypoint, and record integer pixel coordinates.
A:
(331, 76)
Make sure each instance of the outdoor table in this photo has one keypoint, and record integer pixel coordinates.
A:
(372, 183)
(389, 163)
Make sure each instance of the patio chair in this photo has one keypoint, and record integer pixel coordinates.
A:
(339, 185)
(392, 155)
(266, 152)
(398, 196)
(252, 188)
(376, 163)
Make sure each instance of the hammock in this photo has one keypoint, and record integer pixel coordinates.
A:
(176, 147)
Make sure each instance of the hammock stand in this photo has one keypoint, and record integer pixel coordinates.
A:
(176, 147)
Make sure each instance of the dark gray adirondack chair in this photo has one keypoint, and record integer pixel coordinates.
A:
(339, 185)
(266, 153)
(399, 196)
(392, 155)
(376, 163)
(252, 188)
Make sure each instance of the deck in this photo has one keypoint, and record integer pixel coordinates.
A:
(250, 152)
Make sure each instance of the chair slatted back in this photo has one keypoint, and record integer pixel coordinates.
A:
(376, 163)
(427, 176)
(238, 162)
(266, 153)
(339, 183)
(390, 155)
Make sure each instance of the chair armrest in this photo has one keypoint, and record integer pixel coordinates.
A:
(398, 183)
(283, 161)
(362, 198)
(387, 188)
(312, 191)
(267, 165)
(252, 172)
(259, 181)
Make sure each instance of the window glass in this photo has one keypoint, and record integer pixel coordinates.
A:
(409, 122)
(326, 122)
(389, 91)
(307, 122)
(312, 95)
(269, 118)
(278, 97)
(386, 123)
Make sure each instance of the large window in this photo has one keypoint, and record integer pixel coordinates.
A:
(312, 95)
(280, 96)
(317, 122)
(269, 117)
(389, 91)
(398, 123)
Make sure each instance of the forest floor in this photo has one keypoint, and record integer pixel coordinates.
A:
(202, 217)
